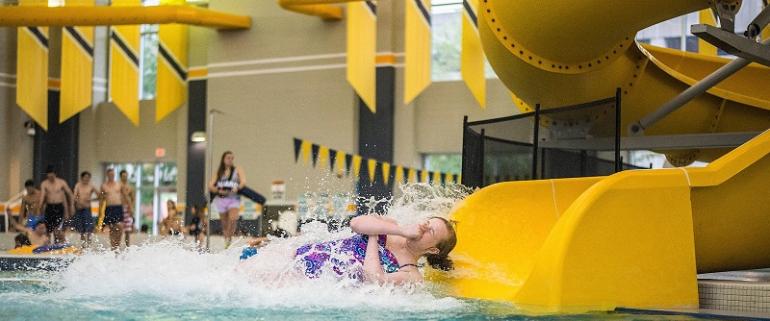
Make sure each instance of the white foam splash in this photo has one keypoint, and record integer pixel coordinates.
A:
(174, 271)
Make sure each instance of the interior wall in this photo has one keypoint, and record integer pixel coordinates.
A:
(265, 104)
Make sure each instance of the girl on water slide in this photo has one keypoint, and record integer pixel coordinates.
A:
(380, 251)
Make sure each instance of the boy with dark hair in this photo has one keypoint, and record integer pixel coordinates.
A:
(30, 212)
(56, 200)
(84, 221)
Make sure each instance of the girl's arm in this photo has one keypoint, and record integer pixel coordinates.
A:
(373, 271)
(374, 225)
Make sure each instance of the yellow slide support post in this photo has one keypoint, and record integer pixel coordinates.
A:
(635, 239)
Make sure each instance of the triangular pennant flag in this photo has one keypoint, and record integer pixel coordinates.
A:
(424, 176)
(372, 167)
(348, 163)
(297, 144)
(419, 176)
(399, 174)
(437, 178)
(386, 172)
(444, 177)
(332, 159)
(314, 151)
(412, 178)
(459, 178)
(356, 165)
(340, 162)
(304, 150)
(323, 156)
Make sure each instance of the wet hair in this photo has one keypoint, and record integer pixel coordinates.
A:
(110, 169)
(123, 171)
(21, 240)
(221, 169)
(29, 183)
(50, 170)
(441, 261)
(83, 174)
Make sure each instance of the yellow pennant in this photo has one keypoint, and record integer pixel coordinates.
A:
(706, 17)
(437, 178)
(417, 54)
(459, 179)
(340, 162)
(372, 167)
(362, 50)
(323, 156)
(472, 54)
(356, 165)
(412, 178)
(424, 177)
(32, 69)
(124, 66)
(304, 150)
(77, 67)
(171, 90)
(386, 172)
(399, 174)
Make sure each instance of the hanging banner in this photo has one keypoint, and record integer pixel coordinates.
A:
(323, 156)
(314, 152)
(412, 176)
(472, 54)
(77, 67)
(124, 70)
(171, 84)
(399, 175)
(417, 49)
(305, 151)
(372, 169)
(356, 165)
(32, 69)
(362, 50)
(385, 172)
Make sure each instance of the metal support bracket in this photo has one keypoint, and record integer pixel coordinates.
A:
(734, 44)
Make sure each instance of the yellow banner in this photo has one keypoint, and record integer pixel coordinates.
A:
(417, 53)
(124, 70)
(77, 67)
(472, 55)
(437, 178)
(356, 165)
(372, 167)
(340, 162)
(32, 69)
(399, 174)
(412, 176)
(386, 172)
(424, 178)
(304, 150)
(171, 90)
(362, 51)
(323, 156)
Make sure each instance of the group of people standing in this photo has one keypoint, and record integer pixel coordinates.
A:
(49, 210)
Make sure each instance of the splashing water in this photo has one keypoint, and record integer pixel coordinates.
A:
(171, 272)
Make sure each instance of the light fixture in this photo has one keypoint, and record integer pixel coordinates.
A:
(198, 137)
(30, 126)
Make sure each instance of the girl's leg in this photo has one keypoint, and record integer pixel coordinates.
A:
(224, 220)
(233, 216)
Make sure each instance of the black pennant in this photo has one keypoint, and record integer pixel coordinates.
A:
(297, 145)
(314, 151)
(348, 162)
(332, 159)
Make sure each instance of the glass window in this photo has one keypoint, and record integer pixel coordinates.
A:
(445, 163)
(149, 56)
(447, 35)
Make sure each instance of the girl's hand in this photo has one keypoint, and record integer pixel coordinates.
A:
(414, 231)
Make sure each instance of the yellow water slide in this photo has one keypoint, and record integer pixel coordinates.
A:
(635, 239)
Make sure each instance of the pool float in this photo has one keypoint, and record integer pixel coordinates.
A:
(55, 249)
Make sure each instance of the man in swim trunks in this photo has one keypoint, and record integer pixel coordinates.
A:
(128, 207)
(56, 200)
(30, 212)
(112, 194)
(84, 221)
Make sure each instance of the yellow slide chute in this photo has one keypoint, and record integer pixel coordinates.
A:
(635, 239)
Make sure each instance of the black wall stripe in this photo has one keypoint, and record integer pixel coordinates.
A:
(123, 46)
(471, 13)
(171, 61)
(372, 7)
(423, 10)
(41, 38)
(80, 40)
